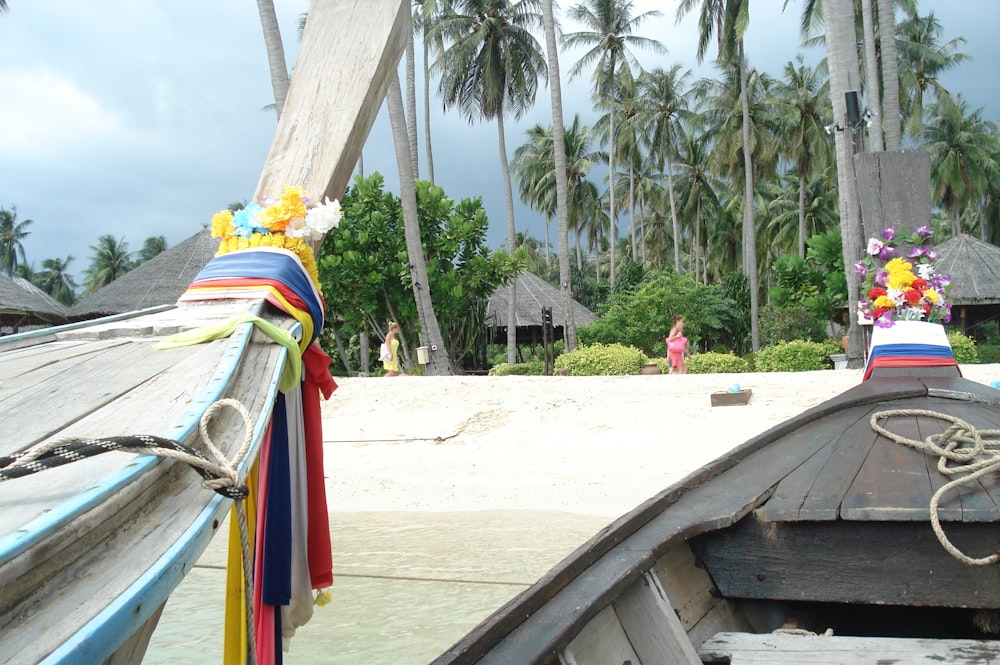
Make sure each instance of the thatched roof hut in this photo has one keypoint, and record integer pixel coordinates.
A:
(533, 293)
(159, 281)
(24, 304)
(974, 266)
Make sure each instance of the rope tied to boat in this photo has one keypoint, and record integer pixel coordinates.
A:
(219, 474)
(964, 453)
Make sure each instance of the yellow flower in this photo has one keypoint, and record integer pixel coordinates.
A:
(884, 301)
(221, 222)
(932, 296)
(900, 275)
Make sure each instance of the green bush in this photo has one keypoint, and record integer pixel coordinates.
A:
(793, 322)
(797, 356)
(988, 353)
(716, 363)
(533, 368)
(963, 348)
(602, 360)
(662, 363)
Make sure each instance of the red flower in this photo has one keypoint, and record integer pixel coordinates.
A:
(879, 311)
(912, 296)
(876, 292)
(920, 283)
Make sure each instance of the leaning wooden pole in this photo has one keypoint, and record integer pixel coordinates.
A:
(348, 52)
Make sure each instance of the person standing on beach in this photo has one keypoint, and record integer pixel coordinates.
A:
(391, 366)
(677, 347)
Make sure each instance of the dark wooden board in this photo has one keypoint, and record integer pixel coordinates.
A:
(893, 563)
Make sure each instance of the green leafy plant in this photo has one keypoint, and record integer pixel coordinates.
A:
(717, 363)
(533, 368)
(796, 356)
(602, 360)
(963, 348)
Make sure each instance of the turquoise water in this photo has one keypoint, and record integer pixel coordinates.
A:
(406, 586)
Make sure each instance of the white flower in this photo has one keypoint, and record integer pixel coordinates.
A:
(875, 246)
(924, 270)
(322, 218)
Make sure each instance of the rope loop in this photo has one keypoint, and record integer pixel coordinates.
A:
(964, 453)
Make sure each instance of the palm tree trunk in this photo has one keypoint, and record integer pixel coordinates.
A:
(675, 225)
(631, 210)
(411, 105)
(427, 105)
(430, 331)
(275, 53)
(802, 215)
(872, 77)
(511, 242)
(612, 217)
(842, 56)
(890, 76)
(749, 223)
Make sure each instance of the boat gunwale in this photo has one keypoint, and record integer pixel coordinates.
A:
(614, 538)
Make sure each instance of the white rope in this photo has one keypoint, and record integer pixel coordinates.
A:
(961, 449)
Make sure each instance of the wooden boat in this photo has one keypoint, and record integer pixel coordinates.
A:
(90, 551)
(810, 543)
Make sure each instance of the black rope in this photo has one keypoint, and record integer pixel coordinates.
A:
(73, 450)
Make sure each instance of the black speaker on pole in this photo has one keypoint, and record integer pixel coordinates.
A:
(853, 110)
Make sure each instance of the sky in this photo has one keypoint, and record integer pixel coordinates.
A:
(138, 118)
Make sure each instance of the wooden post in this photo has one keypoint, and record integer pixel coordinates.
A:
(893, 189)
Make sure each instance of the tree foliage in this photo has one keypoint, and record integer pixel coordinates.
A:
(363, 265)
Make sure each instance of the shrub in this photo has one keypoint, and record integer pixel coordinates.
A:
(602, 360)
(793, 322)
(533, 368)
(988, 353)
(963, 348)
(797, 356)
(662, 363)
(716, 363)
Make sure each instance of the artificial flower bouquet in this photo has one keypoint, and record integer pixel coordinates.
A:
(901, 284)
(290, 222)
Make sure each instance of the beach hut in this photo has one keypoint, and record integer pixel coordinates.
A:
(533, 294)
(24, 304)
(159, 281)
(974, 266)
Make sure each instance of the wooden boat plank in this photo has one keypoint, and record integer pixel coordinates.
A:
(38, 357)
(605, 643)
(65, 582)
(890, 486)
(652, 625)
(779, 648)
(891, 563)
(852, 447)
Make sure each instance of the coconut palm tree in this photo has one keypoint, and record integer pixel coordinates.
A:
(561, 174)
(663, 110)
(608, 37)
(275, 53)
(490, 67)
(12, 234)
(56, 281)
(922, 60)
(698, 198)
(964, 153)
(109, 261)
(728, 19)
(152, 246)
(804, 111)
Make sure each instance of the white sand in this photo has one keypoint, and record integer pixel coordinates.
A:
(586, 445)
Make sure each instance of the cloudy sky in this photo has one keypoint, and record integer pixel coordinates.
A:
(140, 118)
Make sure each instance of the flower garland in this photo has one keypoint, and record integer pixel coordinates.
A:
(288, 222)
(902, 288)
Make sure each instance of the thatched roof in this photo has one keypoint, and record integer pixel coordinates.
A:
(159, 281)
(533, 293)
(25, 303)
(974, 267)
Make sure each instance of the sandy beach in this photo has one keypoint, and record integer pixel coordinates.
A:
(586, 445)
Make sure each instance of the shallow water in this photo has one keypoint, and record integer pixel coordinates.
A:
(406, 585)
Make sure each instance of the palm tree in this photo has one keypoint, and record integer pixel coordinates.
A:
(890, 76)
(842, 56)
(490, 67)
(698, 192)
(440, 363)
(109, 261)
(12, 233)
(608, 34)
(663, 109)
(964, 153)
(56, 281)
(561, 174)
(729, 20)
(275, 53)
(802, 101)
(922, 61)
(152, 246)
